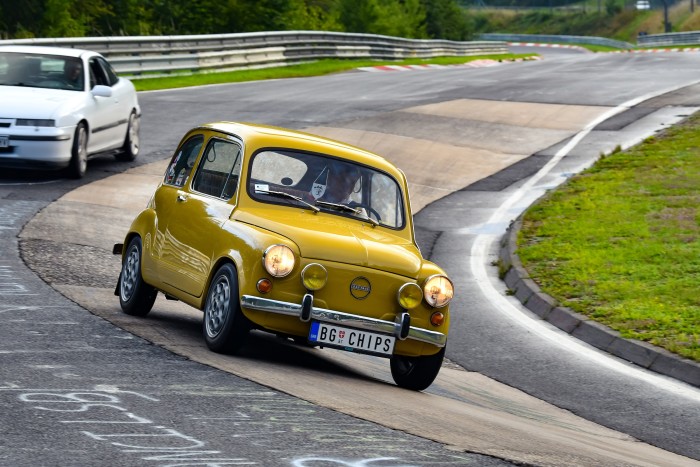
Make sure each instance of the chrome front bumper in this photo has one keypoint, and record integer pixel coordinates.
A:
(305, 311)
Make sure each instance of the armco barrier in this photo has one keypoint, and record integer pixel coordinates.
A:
(156, 55)
(550, 39)
(674, 38)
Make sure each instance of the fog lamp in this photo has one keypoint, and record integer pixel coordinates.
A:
(314, 276)
(438, 291)
(410, 295)
(278, 260)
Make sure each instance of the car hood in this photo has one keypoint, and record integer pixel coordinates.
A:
(26, 102)
(328, 237)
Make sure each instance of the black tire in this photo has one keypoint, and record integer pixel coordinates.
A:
(135, 296)
(225, 328)
(416, 373)
(78, 160)
(132, 141)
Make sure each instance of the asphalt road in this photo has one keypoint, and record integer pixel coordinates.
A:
(60, 363)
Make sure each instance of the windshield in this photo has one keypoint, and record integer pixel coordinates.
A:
(41, 71)
(328, 184)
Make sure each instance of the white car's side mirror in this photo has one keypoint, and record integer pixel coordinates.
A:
(101, 91)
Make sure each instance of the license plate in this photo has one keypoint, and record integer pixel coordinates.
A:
(350, 339)
(4, 141)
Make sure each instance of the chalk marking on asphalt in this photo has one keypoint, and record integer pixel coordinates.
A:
(503, 214)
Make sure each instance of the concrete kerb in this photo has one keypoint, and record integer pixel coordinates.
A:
(546, 307)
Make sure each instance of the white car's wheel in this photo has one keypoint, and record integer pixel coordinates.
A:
(131, 142)
(78, 161)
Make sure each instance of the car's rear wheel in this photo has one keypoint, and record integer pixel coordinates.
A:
(135, 296)
(416, 373)
(78, 160)
(131, 142)
(225, 328)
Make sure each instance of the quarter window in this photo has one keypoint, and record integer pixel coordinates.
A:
(183, 161)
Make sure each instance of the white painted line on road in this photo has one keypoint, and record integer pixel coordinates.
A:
(518, 202)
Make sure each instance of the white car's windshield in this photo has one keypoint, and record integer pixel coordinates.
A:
(332, 185)
(41, 71)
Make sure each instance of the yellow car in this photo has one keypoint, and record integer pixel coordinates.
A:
(304, 237)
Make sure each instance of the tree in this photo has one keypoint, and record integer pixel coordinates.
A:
(314, 15)
(445, 19)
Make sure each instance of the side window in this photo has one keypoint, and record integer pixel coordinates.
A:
(183, 161)
(219, 169)
(109, 73)
(97, 73)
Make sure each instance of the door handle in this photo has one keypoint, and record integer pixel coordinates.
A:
(181, 198)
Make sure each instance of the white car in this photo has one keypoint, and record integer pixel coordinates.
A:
(61, 106)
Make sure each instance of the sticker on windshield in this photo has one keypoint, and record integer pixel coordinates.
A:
(319, 186)
(262, 187)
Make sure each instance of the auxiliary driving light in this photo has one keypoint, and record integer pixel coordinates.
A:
(410, 295)
(314, 276)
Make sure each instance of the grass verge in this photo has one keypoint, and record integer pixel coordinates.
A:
(620, 242)
(318, 68)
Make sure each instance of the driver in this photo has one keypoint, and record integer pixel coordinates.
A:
(73, 73)
(340, 183)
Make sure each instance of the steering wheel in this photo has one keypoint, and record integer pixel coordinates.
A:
(372, 211)
(376, 214)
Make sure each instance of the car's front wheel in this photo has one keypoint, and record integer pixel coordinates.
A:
(416, 373)
(78, 160)
(131, 142)
(135, 296)
(225, 328)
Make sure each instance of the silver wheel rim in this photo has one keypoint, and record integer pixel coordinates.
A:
(218, 306)
(82, 149)
(130, 271)
(134, 134)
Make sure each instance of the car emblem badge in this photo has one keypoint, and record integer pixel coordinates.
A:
(360, 288)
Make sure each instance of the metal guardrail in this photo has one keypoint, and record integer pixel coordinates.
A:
(673, 38)
(137, 56)
(547, 39)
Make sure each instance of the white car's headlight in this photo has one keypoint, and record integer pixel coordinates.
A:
(278, 260)
(438, 291)
(35, 122)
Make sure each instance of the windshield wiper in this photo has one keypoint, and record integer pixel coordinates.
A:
(282, 194)
(343, 207)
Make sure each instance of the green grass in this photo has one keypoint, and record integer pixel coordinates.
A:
(321, 67)
(620, 242)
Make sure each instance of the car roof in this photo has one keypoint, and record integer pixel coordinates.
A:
(249, 131)
(39, 49)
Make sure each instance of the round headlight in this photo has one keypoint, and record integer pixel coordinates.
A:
(410, 295)
(438, 291)
(314, 276)
(278, 260)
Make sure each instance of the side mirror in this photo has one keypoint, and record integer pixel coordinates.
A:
(101, 91)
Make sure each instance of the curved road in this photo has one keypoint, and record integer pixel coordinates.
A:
(470, 140)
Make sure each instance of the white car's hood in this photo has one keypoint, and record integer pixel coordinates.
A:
(26, 102)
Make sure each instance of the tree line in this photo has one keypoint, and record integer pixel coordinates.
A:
(420, 19)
